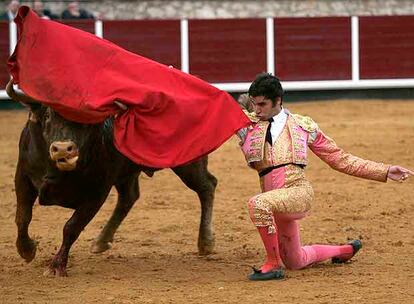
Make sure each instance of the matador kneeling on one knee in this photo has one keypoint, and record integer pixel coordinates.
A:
(276, 145)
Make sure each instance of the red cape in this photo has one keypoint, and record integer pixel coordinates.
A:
(173, 117)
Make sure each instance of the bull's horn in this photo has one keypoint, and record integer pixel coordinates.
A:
(19, 97)
(121, 105)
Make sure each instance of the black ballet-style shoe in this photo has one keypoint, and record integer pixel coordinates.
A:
(258, 275)
(356, 246)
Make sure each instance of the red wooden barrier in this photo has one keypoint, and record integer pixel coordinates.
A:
(159, 40)
(4, 53)
(234, 50)
(227, 50)
(386, 47)
(313, 48)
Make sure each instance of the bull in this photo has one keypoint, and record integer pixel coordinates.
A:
(75, 165)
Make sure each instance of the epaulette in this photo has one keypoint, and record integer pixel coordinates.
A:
(305, 122)
(252, 116)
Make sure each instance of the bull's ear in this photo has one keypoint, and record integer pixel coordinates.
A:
(33, 107)
(33, 117)
(36, 112)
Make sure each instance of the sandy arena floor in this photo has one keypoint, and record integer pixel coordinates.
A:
(154, 257)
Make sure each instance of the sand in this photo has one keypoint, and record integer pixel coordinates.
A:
(154, 256)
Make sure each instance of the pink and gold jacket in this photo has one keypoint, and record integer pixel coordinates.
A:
(291, 147)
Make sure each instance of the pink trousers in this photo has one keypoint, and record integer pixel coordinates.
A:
(278, 209)
(296, 256)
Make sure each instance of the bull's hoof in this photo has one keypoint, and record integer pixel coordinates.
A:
(27, 249)
(206, 247)
(55, 272)
(99, 247)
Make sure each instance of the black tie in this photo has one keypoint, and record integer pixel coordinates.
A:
(268, 134)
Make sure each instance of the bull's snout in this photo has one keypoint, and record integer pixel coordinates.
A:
(65, 154)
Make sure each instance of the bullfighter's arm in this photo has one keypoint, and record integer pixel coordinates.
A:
(327, 150)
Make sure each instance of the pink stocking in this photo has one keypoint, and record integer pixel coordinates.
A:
(270, 242)
(324, 252)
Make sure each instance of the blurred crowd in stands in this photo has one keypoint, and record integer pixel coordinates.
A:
(72, 11)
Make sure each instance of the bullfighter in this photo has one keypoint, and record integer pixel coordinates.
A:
(277, 145)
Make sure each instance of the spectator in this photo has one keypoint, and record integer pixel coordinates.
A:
(11, 11)
(42, 12)
(74, 12)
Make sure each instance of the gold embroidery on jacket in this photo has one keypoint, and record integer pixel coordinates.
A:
(290, 147)
(282, 148)
(327, 150)
(257, 141)
(305, 122)
(251, 115)
(298, 142)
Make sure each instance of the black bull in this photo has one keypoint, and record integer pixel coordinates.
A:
(75, 166)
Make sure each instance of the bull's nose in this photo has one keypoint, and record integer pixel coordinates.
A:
(62, 149)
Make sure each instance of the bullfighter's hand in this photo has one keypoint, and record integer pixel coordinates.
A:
(399, 174)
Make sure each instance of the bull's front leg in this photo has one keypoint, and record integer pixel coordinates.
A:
(128, 194)
(71, 231)
(26, 195)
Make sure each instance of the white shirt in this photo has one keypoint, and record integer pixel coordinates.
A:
(278, 124)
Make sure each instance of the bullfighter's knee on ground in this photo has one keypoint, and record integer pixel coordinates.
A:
(261, 215)
(281, 238)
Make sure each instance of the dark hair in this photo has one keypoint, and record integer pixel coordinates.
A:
(266, 85)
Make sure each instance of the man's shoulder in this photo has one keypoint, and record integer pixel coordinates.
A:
(252, 116)
(307, 123)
